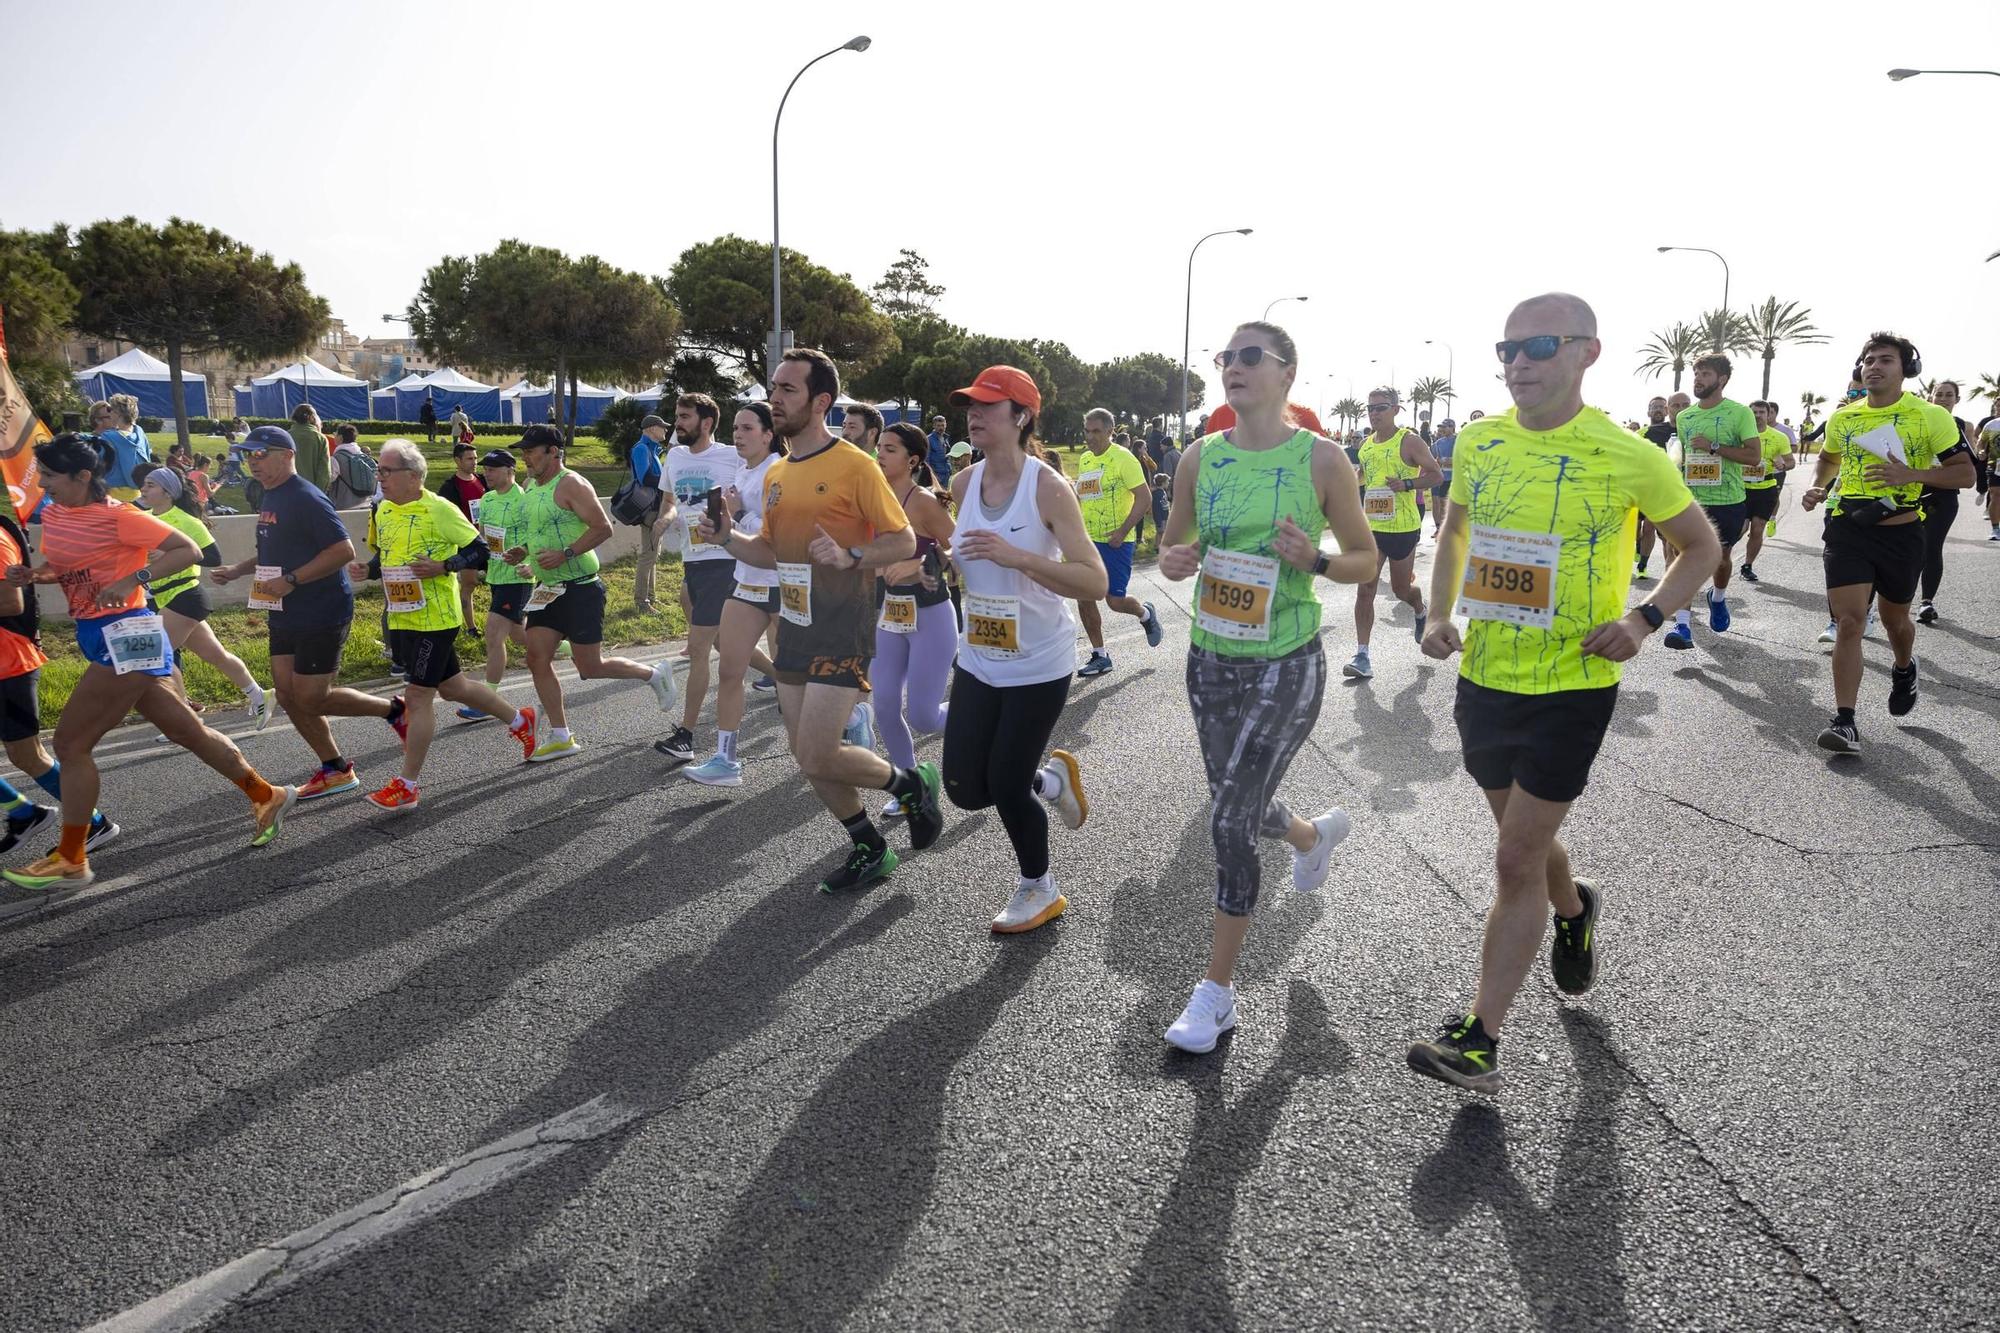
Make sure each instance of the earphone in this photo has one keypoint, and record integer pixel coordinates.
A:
(1913, 363)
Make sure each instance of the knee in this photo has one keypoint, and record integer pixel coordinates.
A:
(1519, 869)
(967, 791)
(1851, 619)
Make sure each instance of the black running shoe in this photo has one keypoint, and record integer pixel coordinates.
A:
(21, 825)
(1749, 574)
(863, 866)
(1573, 955)
(1927, 614)
(678, 747)
(1462, 1055)
(924, 811)
(1841, 737)
(1902, 689)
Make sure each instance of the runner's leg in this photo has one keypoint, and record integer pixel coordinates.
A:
(1523, 890)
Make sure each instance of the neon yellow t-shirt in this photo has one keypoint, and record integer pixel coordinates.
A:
(1104, 486)
(1554, 515)
(1382, 462)
(1762, 476)
(428, 528)
(1716, 480)
(1924, 429)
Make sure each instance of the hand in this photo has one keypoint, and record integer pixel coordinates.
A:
(713, 534)
(1703, 443)
(986, 544)
(826, 551)
(116, 593)
(1615, 640)
(1890, 472)
(1811, 499)
(426, 569)
(550, 559)
(523, 570)
(902, 572)
(1441, 639)
(732, 499)
(1180, 562)
(1293, 546)
(515, 555)
(20, 575)
(221, 573)
(358, 572)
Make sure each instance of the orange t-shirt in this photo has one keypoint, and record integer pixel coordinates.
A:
(18, 653)
(99, 544)
(842, 490)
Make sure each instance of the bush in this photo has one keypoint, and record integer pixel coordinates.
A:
(619, 426)
(407, 429)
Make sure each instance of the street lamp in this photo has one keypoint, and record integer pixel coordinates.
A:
(1898, 75)
(1280, 301)
(777, 348)
(1725, 284)
(1187, 322)
(1450, 369)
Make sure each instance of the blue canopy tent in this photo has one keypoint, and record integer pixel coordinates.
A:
(381, 404)
(147, 379)
(245, 405)
(448, 391)
(334, 395)
(591, 403)
(386, 402)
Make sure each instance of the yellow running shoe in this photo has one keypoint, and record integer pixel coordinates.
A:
(52, 871)
(271, 814)
(551, 750)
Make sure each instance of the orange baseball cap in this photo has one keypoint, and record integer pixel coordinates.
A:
(1001, 384)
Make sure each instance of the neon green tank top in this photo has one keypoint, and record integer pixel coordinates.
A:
(1248, 602)
(550, 528)
(507, 510)
(181, 521)
(1381, 463)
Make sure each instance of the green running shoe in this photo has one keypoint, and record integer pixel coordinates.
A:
(1573, 955)
(863, 866)
(1462, 1055)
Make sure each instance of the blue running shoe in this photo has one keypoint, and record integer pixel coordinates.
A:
(1718, 613)
(1680, 636)
(860, 729)
(474, 715)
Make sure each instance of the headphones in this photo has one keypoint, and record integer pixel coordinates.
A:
(1913, 362)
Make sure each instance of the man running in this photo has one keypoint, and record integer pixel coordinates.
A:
(862, 428)
(830, 522)
(696, 468)
(1660, 430)
(1763, 482)
(1884, 448)
(465, 490)
(1544, 504)
(566, 523)
(1112, 488)
(503, 522)
(1441, 450)
(1395, 464)
(300, 568)
(1719, 436)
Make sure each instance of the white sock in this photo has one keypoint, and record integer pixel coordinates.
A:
(1046, 783)
(256, 695)
(520, 720)
(1714, 595)
(1682, 619)
(558, 734)
(1046, 881)
(725, 745)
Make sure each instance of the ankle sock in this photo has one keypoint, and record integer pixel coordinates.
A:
(903, 783)
(1845, 715)
(51, 781)
(254, 787)
(725, 745)
(73, 838)
(864, 833)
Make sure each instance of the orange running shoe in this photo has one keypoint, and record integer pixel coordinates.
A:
(398, 796)
(525, 733)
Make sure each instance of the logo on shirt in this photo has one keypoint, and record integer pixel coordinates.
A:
(777, 492)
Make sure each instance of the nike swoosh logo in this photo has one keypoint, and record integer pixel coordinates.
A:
(1017, 527)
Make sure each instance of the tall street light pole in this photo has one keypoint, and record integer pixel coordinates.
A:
(1898, 75)
(1725, 284)
(778, 344)
(1450, 369)
(1280, 301)
(1187, 322)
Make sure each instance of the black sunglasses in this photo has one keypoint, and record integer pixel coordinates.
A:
(1249, 356)
(1539, 348)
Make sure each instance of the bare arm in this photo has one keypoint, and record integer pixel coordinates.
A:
(1690, 533)
(1418, 455)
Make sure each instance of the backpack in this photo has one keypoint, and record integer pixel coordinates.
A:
(355, 473)
(28, 624)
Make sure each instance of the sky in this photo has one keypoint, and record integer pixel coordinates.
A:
(1414, 170)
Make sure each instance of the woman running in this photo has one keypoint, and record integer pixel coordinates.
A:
(1249, 507)
(181, 600)
(916, 632)
(104, 555)
(1018, 648)
(752, 609)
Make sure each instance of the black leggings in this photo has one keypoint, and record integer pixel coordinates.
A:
(994, 739)
(1940, 512)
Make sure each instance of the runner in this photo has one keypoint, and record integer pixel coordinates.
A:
(1395, 464)
(916, 632)
(1023, 549)
(104, 554)
(300, 569)
(1884, 449)
(1854, 393)
(503, 523)
(180, 598)
(464, 489)
(1249, 510)
(1763, 482)
(695, 471)
(1660, 430)
(421, 541)
(1542, 513)
(862, 428)
(1441, 450)
(751, 613)
(566, 523)
(1941, 508)
(830, 521)
(1989, 449)
(1718, 438)
(1111, 485)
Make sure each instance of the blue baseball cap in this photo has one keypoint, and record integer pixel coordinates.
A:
(269, 437)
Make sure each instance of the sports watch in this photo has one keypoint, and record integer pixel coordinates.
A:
(1652, 615)
(1321, 564)
(144, 578)
(855, 551)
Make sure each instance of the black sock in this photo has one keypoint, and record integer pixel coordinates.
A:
(395, 709)
(903, 783)
(339, 764)
(1845, 715)
(862, 830)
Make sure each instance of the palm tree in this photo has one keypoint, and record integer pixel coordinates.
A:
(1774, 322)
(1349, 410)
(1989, 389)
(1427, 391)
(1671, 350)
(1810, 400)
(1725, 331)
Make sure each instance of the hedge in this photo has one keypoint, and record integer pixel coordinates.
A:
(216, 426)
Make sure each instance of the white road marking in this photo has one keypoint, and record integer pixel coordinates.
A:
(272, 1268)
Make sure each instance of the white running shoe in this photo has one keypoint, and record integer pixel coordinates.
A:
(259, 710)
(1830, 633)
(1062, 787)
(1358, 668)
(662, 681)
(1210, 1012)
(1032, 905)
(860, 729)
(1309, 869)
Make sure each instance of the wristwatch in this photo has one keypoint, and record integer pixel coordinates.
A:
(144, 578)
(855, 551)
(292, 579)
(1321, 564)
(1652, 615)
(568, 554)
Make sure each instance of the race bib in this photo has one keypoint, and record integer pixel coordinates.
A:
(899, 613)
(795, 586)
(138, 643)
(750, 592)
(1754, 471)
(473, 507)
(545, 595)
(1703, 470)
(1511, 576)
(1236, 594)
(403, 588)
(267, 589)
(1379, 502)
(496, 536)
(1090, 486)
(993, 625)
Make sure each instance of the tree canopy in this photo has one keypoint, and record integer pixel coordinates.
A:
(723, 289)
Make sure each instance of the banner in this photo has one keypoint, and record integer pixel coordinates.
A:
(20, 431)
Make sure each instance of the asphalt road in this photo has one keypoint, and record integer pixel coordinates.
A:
(657, 1081)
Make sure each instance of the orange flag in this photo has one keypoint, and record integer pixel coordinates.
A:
(20, 431)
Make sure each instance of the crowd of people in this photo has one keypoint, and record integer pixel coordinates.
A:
(889, 583)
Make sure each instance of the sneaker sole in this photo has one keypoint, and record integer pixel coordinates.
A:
(925, 833)
(394, 809)
(678, 756)
(736, 781)
(1041, 918)
(553, 756)
(342, 789)
(1838, 745)
(1213, 1042)
(1073, 784)
(268, 833)
(53, 884)
(1423, 1061)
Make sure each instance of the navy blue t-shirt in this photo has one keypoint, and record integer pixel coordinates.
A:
(296, 523)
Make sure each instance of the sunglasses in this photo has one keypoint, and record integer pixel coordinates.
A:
(1249, 356)
(1539, 348)
(1381, 407)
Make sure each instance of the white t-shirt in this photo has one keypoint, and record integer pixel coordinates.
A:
(691, 476)
(750, 484)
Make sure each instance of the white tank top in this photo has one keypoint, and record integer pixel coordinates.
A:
(1016, 631)
(749, 484)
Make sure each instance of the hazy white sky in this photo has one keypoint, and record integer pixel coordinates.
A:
(1413, 168)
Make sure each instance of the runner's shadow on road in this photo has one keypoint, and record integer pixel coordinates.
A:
(1633, 707)
(1179, 1281)
(1394, 743)
(1568, 1253)
(825, 1219)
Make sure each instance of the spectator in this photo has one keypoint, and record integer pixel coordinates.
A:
(461, 427)
(309, 447)
(354, 482)
(238, 428)
(204, 489)
(115, 422)
(647, 452)
(427, 417)
(940, 454)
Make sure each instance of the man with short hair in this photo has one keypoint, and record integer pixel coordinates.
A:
(648, 451)
(1441, 449)
(1763, 483)
(697, 466)
(1883, 449)
(465, 490)
(862, 428)
(1660, 430)
(831, 522)
(1394, 463)
(313, 459)
(1534, 550)
(1111, 487)
(939, 453)
(1719, 437)
(503, 524)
